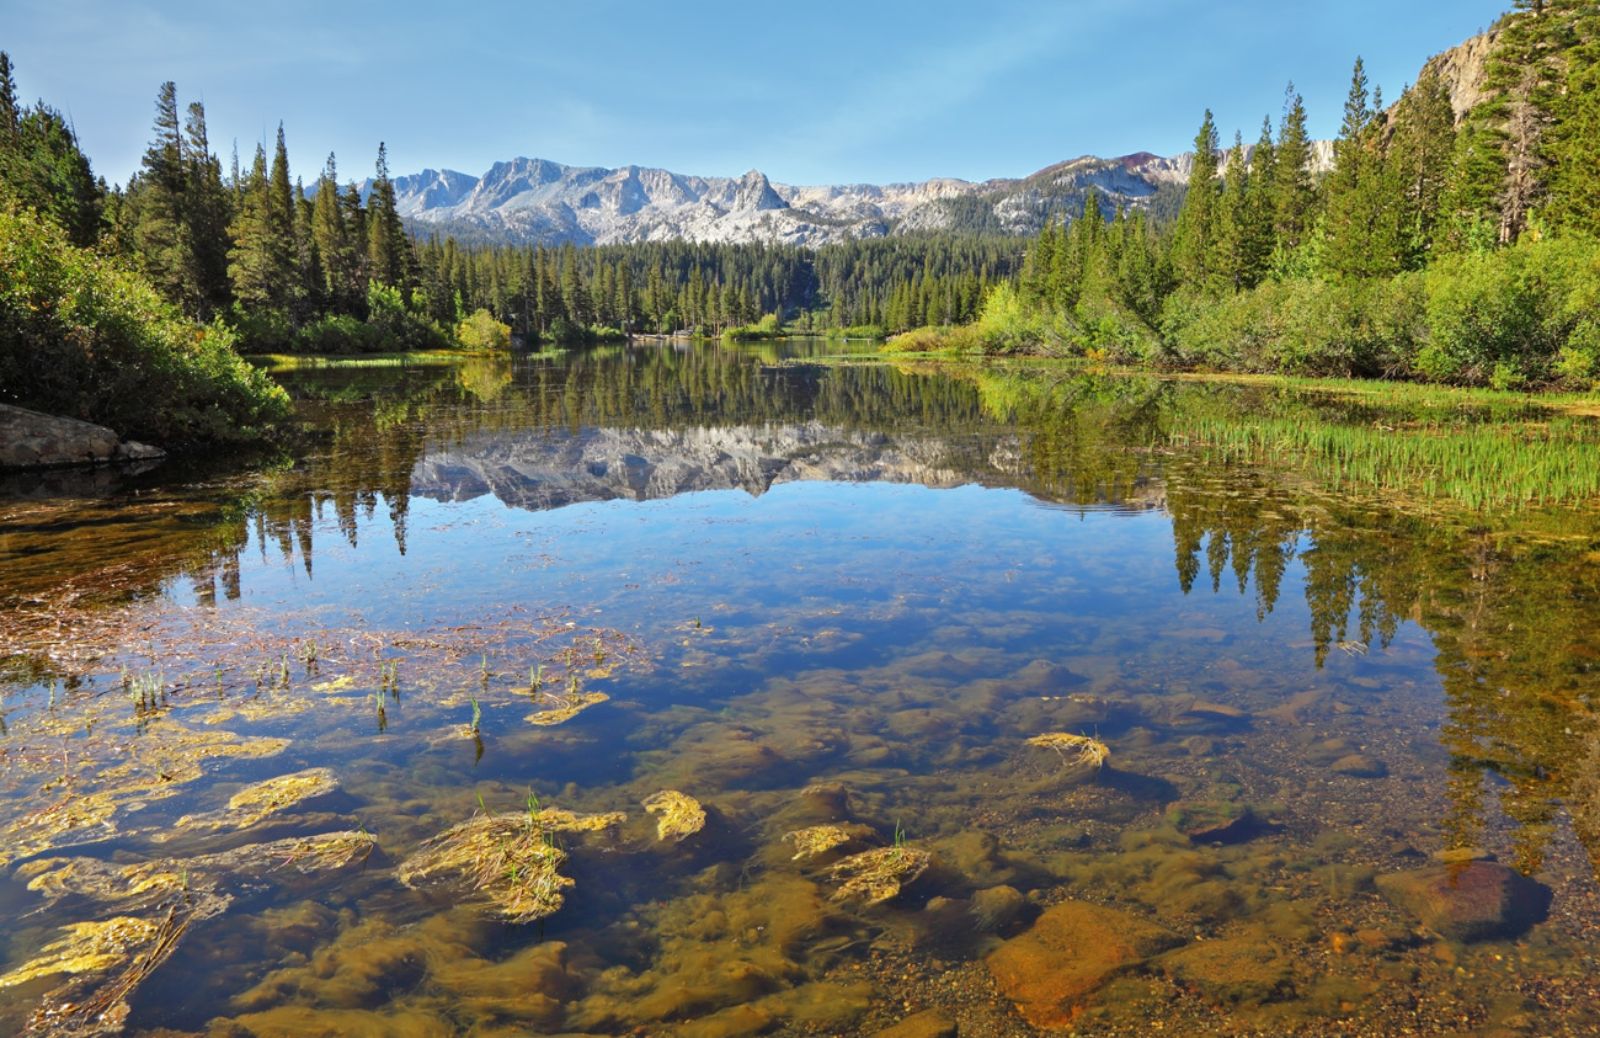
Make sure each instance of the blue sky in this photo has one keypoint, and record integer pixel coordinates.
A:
(817, 92)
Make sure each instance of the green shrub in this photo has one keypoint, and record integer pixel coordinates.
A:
(338, 334)
(1482, 311)
(399, 328)
(82, 337)
(1578, 361)
(482, 332)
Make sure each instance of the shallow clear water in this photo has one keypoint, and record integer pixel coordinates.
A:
(812, 595)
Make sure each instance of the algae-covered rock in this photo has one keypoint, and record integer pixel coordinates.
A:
(86, 948)
(681, 815)
(103, 963)
(1213, 821)
(558, 819)
(818, 839)
(146, 883)
(996, 908)
(1469, 901)
(878, 875)
(506, 859)
(1051, 970)
(1232, 971)
(1359, 765)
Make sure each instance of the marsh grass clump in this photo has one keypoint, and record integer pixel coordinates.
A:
(1076, 751)
(681, 815)
(507, 859)
(875, 876)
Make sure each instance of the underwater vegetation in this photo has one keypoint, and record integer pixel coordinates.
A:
(679, 815)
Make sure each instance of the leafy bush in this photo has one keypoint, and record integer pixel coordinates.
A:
(399, 328)
(769, 327)
(482, 332)
(80, 336)
(338, 334)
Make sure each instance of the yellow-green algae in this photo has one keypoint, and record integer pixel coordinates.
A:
(681, 815)
(259, 801)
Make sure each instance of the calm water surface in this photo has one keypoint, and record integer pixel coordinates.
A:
(1353, 783)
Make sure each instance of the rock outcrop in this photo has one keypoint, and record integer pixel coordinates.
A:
(1464, 69)
(29, 439)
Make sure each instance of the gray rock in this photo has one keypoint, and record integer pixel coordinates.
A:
(29, 439)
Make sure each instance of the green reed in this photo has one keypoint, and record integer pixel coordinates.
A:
(1479, 465)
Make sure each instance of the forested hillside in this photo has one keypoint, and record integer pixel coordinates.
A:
(1443, 248)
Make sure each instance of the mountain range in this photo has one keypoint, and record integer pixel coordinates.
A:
(527, 200)
(536, 201)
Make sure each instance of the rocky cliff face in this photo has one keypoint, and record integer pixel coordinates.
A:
(1464, 70)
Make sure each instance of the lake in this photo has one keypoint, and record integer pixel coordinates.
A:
(751, 690)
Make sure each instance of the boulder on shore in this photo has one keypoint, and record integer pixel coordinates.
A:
(29, 440)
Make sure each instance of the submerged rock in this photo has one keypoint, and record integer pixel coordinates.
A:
(1469, 901)
(996, 908)
(1359, 765)
(1053, 969)
(1234, 971)
(1214, 821)
(929, 1024)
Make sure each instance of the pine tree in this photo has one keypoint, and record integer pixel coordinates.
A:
(1361, 220)
(335, 248)
(206, 216)
(386, 237)
(1194, 239)
(1294, 196)
(1256, 242)
(1574, 138)
(260, 264)
(1419, 157)
(1231, 264)
(10, 114)
(161, 243)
